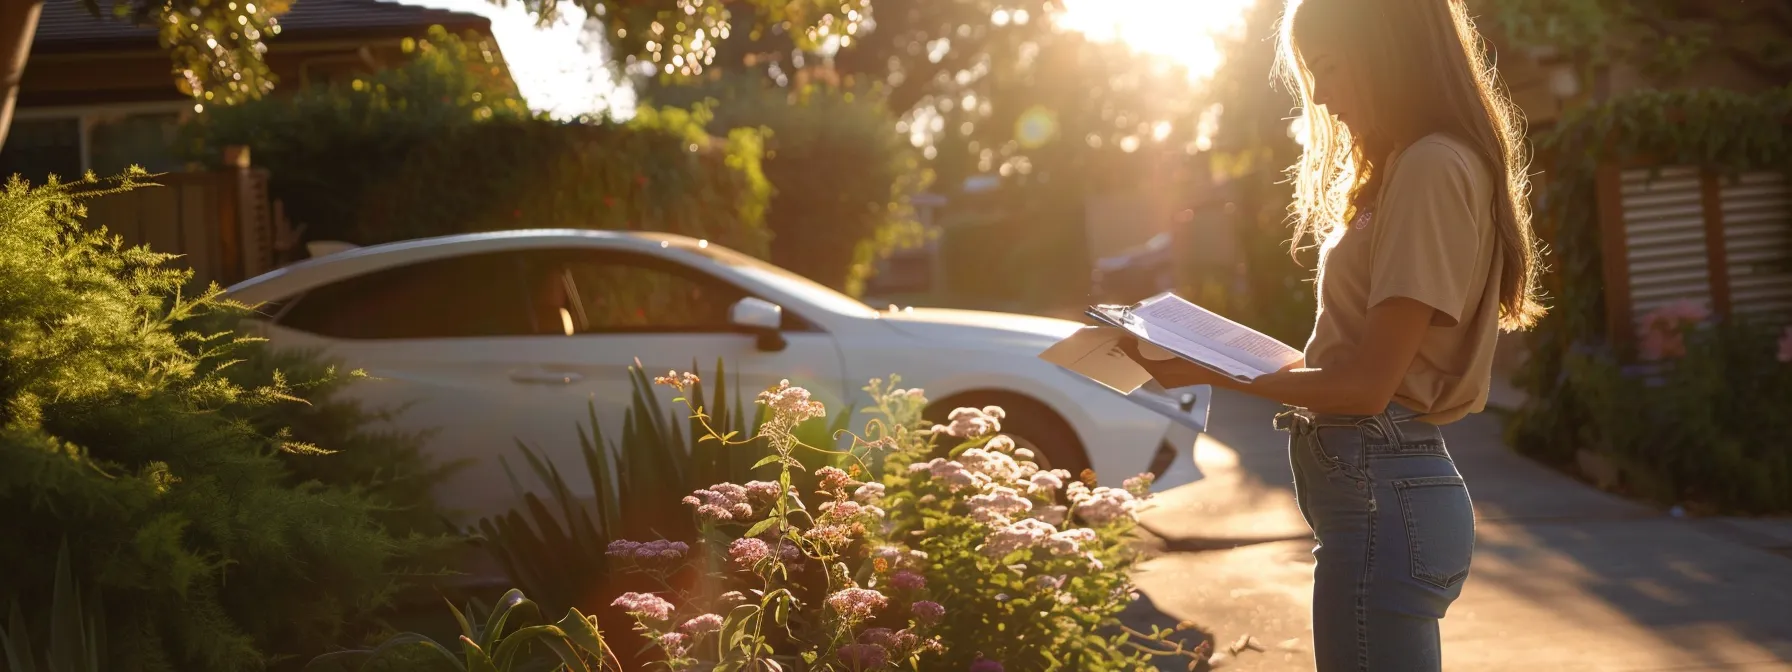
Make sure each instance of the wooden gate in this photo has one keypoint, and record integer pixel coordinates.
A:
(1676, 233)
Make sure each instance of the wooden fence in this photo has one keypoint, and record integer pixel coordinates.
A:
(222, 223)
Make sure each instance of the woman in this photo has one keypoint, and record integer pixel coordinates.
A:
(1413, 184)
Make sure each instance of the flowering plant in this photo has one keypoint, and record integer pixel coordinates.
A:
(1664, 329)
(971, 560)
(1706, 429)
(1030, 564)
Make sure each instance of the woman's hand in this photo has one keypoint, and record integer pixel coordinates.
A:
(1173, 372)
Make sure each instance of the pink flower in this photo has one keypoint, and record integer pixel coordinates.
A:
(999, 467)
(791, 405)
(907, 580)
(832, 479)
(1068, 542)
(1106, 505)
(1045, 481)
(857, 603)
(676, 379)
(675, 644)
(1786, 346)
(746, 553)
(954, 475)
(1664, 328)
(869, 493)
(883, 637)
(1019, 535)
(761, 493)
(863, 656)
(658, 550)
(1140, 485)
(928, 612)
(644, 605)
(702, 624)
(1053, 515)
(996, 505)
(721, 502)
(970, 423)
(833, 534)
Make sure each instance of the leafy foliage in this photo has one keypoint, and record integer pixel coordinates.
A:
(119, 420)
(216, 47)
(842, 176)
(219, 49)
(77, 636)
(573, 643)
(445, 145)
(658, 172)
(556, 547)
(817, 574)
(1727, 131)
(1665, 37)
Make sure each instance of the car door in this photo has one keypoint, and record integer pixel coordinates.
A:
(616, 308)
(483, 351)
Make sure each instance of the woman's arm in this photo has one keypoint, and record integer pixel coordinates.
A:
(1362, 386)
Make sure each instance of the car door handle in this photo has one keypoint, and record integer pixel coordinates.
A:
(547, 377)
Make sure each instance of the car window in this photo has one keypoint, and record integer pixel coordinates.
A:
(462, 297)
(620, 293)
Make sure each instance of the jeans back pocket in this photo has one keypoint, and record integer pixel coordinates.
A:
(1440, 528)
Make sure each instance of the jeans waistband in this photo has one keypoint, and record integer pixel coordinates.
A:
(1397, 422)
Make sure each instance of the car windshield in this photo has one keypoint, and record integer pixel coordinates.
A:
(785, 281)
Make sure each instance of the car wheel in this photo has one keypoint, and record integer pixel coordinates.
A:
(1031, 424)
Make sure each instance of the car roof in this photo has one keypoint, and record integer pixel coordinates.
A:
(316, 271)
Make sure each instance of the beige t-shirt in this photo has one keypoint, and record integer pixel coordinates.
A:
(1431, 239)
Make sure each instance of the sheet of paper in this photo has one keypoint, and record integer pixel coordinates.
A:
(1194, 351)
(1242, 344)
(1094, 353)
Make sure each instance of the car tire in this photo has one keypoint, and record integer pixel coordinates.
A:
(1028, 421)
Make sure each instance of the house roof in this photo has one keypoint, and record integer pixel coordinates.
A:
(66, 25)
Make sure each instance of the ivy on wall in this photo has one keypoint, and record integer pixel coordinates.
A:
(1665, 37)
(1575, 402)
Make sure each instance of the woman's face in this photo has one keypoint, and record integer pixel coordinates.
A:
(1335, 86)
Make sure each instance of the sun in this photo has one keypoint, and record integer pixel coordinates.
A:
(1190, 33)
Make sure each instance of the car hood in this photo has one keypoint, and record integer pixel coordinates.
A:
(958, 326)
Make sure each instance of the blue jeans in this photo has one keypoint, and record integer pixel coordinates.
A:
(1395, 531)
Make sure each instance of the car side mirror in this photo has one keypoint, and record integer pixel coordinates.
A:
(760, 317)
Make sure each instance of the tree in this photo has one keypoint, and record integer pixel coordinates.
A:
(217, 47)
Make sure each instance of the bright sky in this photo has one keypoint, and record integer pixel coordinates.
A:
(560, 69)
(1188, 32)
(564, 71)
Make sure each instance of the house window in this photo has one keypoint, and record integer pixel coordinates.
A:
(68, 143)
(147, 139)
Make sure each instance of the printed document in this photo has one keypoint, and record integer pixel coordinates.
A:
(1166, 326)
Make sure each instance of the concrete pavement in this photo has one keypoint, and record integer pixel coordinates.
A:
(1566, 577)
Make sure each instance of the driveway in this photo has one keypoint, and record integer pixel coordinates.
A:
(1566, 577)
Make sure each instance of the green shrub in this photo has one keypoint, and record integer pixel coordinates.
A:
(942, 563)
(126, 431)
(444, 144)
(1582, 396)
(386, 465)
(657, 172)
(572, 644)
(557, 546)
(1707, 428)
(841, 174)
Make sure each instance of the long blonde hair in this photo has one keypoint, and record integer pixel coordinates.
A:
(1424, 70)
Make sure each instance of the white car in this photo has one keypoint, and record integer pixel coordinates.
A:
(493, 338)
